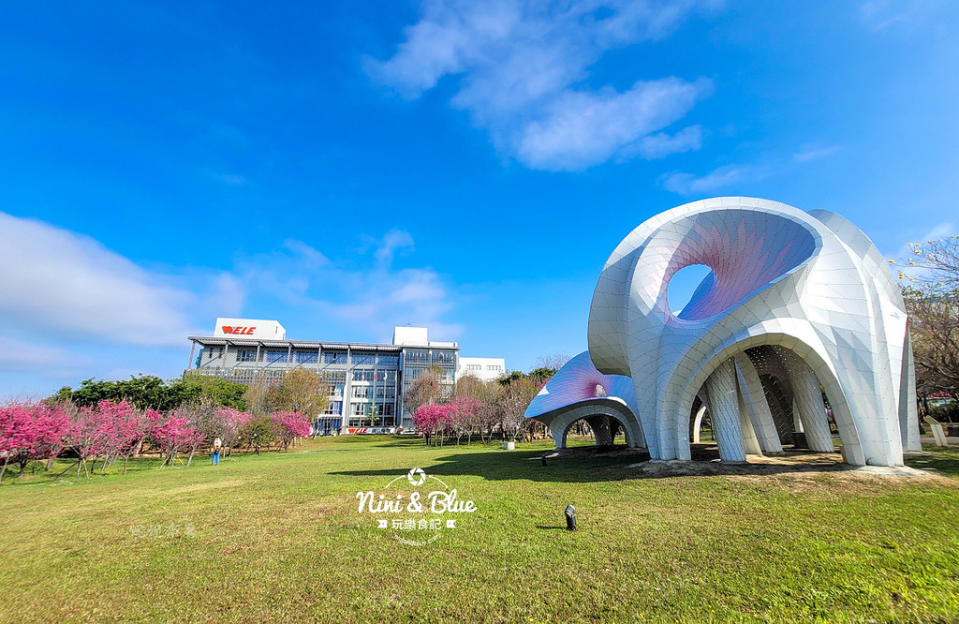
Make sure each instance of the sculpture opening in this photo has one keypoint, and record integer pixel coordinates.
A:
(683, 286)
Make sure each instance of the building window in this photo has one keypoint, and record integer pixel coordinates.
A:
(496, 368)
(358, 409)
(385, 392)
(474, 367)
(386, 409)
(387, 361)
(246, 355)
(334, 408)
(361, 392)
(386, 376)
(364, 359)
(307, 357)
(444, 357)
(336, 391)
(334, 357)
(417, 356)
(274, 356)
(363, 375)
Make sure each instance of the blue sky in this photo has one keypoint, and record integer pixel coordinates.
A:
(465, 166)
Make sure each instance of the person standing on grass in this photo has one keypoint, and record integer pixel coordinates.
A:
(215, 458)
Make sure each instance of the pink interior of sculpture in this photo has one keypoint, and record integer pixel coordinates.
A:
(745, 250)
(577, 381)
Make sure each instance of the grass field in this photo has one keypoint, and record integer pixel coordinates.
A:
(277, 538)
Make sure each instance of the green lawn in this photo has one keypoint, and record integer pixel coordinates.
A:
(277, 538)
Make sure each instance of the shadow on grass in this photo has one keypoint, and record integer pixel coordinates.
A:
(586, 464)
(942, 460)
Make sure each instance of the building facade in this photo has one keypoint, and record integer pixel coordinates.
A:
(485, 369)
(367, 382)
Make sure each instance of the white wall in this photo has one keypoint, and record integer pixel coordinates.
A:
(489, 368)
(249, 328)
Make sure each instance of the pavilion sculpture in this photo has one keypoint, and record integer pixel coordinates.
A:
(578, 391)
(795, 304)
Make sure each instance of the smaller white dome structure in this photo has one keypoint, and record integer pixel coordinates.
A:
(579, 391)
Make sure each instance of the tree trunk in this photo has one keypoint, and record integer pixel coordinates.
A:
(49, 465)
(138, 448)
(6, 458)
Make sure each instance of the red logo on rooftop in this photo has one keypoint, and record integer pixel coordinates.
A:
(245, 331)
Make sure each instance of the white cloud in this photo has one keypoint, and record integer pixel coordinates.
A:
(368, 295)
(19, 355)
(689, 184)
(663, 144)
(812, 152)
(56, 280)
(522, 69)
(393, 241)
(880, 15)
(70, 307)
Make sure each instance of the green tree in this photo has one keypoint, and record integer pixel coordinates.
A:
(259, 432)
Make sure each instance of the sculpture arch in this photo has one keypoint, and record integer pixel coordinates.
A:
(811, 283)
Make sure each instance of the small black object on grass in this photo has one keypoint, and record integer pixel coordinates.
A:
(542, 459)
(570, 518)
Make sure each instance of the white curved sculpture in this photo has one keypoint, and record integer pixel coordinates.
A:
(810, 284)
(579, 391)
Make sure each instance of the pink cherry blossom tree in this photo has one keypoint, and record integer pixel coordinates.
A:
(290, 425)
(432, 420)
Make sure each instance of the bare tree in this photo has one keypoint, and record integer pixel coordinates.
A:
(302, 391)
(425, 389)
(554, 361)
(512, 403)
(257, 395)
(934, 328)
(932, 267)
(931, 275)
(469, 386)
(299, 390)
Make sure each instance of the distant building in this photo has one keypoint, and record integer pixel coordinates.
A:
(486, 369)
(360, 375)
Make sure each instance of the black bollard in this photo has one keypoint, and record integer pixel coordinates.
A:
(542, 460)
(570, 518)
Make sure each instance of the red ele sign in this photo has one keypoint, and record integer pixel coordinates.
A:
(244, 331)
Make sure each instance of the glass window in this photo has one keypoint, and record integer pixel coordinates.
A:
(362, 392)
(307, 357)
(494, 367)
(333, 377)
(247, 355)
(385, 392)
(358, 409)
(387, 361)
(386, 409)
(336, 390)
(386, 376)
(277, 355)
(474, 367)
(444, 357)
(417, 356)
(364, 359)
(335, 407)
(363, 375)
(334, 357)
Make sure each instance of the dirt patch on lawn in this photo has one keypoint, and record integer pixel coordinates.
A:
(797, 465)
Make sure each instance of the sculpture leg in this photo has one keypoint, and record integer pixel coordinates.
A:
(761, 417)
(808, 400)
(602, 431)
(724, 411)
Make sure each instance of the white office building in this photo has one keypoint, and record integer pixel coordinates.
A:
(359, 375)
